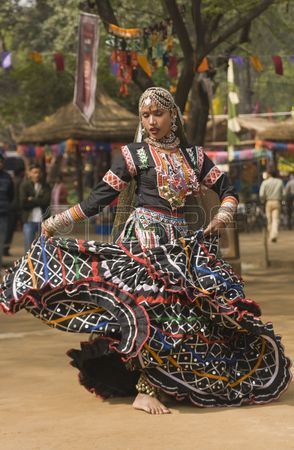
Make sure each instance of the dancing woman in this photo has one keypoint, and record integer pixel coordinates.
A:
(164, 313)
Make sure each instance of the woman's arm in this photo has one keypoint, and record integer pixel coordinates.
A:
(212, 177)
(113, 182)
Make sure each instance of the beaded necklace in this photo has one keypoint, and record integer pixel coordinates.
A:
(169, 142)
(175, 178)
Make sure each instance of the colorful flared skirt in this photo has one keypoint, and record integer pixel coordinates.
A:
(176, 311)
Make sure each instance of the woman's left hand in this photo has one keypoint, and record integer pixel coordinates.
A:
(214, 227)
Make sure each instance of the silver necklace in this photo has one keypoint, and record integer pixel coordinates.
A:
(169, 142)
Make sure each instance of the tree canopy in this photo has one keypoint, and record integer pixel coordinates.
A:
(31, 90)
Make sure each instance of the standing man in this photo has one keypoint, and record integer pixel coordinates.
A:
(6, 197)
(271, 193)
(34, 197)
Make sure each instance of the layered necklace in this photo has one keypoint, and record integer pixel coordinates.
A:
(169, 142)
(175, 178)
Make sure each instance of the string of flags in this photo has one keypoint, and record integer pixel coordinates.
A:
(58, 59)
(66, 147)
(152, 48)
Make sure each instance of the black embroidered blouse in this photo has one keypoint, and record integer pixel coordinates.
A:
(163, 181)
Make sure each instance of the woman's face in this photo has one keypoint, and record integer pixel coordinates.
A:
(156, 121)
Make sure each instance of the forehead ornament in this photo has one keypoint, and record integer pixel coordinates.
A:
(148, 101)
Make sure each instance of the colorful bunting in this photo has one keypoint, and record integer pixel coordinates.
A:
(59, 61)
(36, 56)
(6, 60)
(173, 67)
(255, 61)
(69, 146)
(222, 157)
(143, 61)
(124, 32)
(277, 146)
(278, 63)
(239, 60)
(203, 67)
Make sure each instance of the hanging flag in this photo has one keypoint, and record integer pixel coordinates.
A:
(238, 60)
(233, 124)
(173, 66)
(6, 60)
(255, 61)
(278, 63)
(124, 32)
(143, 62)
(86, 76)
(36, 56)
(203, 67)
(59, 61)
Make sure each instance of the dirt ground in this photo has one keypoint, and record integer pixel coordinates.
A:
(42, 406)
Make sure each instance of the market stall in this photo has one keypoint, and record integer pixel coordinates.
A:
(84, 147)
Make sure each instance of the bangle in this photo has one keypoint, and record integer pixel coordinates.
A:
(64, 219)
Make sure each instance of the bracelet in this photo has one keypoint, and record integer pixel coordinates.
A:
(227, 210)
(224, 215)
(144, 387)
(64, 219)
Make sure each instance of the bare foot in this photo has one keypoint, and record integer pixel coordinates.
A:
(150, 404)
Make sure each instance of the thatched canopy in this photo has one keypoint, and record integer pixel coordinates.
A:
(279, 131)
(250, 125)
(110, 122)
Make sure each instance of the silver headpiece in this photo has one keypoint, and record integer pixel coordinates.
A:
(163, 100)
(159, 96)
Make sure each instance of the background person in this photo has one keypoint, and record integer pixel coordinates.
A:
(6, 197)
(58, 196)
(271, 194)
(14, 216)
(34, 198)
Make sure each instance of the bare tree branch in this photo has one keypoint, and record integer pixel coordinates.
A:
(180, 27)
(212, 26)
(187, 74)
(239, 23)
(199, 28)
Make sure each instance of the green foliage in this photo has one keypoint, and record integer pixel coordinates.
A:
(31, 91)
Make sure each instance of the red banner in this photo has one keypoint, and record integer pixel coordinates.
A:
(86, 76)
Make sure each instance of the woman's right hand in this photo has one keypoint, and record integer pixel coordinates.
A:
(45, 232)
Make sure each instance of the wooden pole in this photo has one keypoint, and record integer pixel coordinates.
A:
(79, 171)
(266, 261)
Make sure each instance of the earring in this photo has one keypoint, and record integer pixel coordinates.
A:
(174, 127)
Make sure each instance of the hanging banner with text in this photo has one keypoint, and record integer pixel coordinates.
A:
(86, 71)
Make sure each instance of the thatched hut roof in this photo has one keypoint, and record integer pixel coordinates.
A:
(279, 131)
(110, 122)
(250, 125)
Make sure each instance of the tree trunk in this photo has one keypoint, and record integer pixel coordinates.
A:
(244, 82)
(198, 113)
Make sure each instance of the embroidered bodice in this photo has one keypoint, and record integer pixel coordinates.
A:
(164, 179)
(175, 177)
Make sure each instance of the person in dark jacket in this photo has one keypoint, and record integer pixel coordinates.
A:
(14, 212)
(6, 197)
(34, 197)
